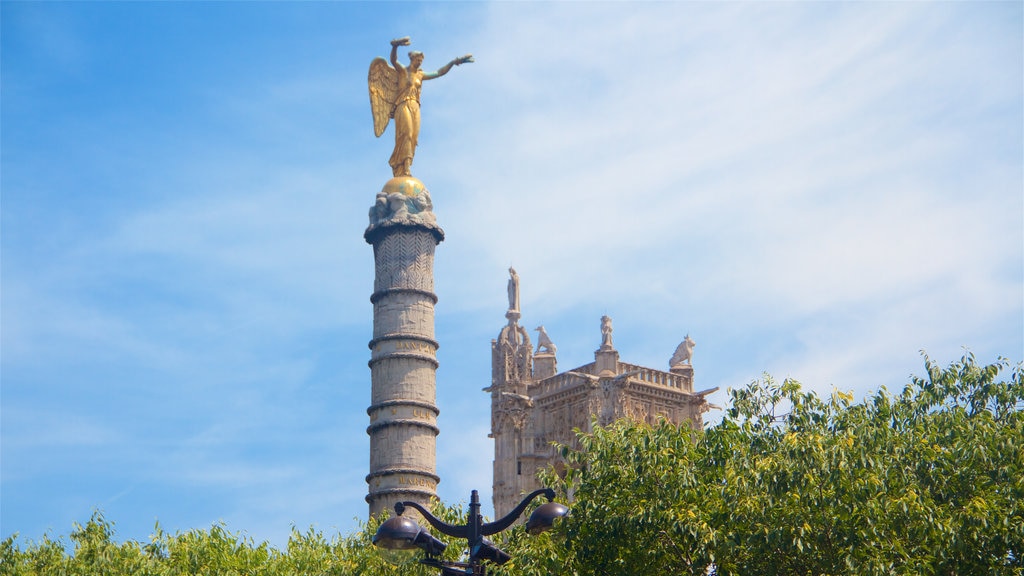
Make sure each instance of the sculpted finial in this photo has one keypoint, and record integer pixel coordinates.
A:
(683, 353)
(395, 93)
(513, 290)
(606, 333)
(544, 341)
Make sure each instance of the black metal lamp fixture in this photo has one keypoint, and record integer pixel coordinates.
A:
(403, 536)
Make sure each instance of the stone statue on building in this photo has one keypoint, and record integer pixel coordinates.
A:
(395, 93)
(543, 341)
(683, 353)
(513, 290)
(606, 332)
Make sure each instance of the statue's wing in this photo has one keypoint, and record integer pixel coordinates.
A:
(383, 80)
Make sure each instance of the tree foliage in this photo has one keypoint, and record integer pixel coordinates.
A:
(213, 551)
(930, 481)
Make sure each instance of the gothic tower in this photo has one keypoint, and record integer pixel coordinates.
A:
(511, 372)
(533, 405)
(403, 359)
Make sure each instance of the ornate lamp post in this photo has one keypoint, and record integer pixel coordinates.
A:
(399, 533)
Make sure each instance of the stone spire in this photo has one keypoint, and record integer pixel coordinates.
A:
(403, 359)
(511, 373)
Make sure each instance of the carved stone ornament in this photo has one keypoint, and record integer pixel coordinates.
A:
(544, 343)
(512, 411)
(513, 290)
(683, 353)
(404, 200)
(606, 333)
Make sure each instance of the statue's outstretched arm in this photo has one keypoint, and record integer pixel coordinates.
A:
(444, 69)
(394, 50)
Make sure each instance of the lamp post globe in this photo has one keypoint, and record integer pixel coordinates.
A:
(397, 533)
(543, 518)
(396, 537)
(400, 536)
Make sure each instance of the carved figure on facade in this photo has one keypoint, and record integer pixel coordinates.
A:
(683, 353)
(634, 411)
(513, 290)
(591, 380)
(606, 333)
(524, 359)
(611, 393)
(595, 403)
(395, 93)
(544, 342)
(512, 411)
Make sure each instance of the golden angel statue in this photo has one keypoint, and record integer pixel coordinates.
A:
(395, 93)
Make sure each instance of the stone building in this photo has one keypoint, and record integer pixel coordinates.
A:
(534, 405)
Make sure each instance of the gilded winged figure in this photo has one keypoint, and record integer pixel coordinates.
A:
(395, 93)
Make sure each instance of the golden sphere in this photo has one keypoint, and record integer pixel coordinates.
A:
(406, 185)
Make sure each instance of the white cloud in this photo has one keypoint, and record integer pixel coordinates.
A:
(814, 190)
(789, 164)
(816, 193)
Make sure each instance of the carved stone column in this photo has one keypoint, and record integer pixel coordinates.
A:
(403, 359)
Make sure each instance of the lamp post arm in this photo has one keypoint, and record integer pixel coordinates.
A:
(511, 517)
(443, 527)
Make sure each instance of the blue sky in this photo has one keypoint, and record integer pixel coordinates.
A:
(814, 190)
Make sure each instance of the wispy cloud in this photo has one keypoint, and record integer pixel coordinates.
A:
(815, 190)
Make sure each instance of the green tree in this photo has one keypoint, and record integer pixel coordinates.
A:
(930, 481)
(208, 552)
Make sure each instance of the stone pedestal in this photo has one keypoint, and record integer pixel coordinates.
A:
(686, 371)
(403, 359)
(544, 365)
(606, 361)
